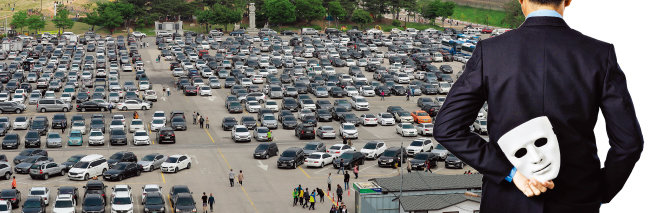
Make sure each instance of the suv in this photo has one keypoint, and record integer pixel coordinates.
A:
(95, 187)
(46, 169)
(391, 156)
(153, 202)
(350, 158)
(45, 105)
(59, 121)
(34, 204)
(240, 133)
(305, 131)
(265, 150)
(166, 135)
(11, 107)
(291, 158)
(90, 166)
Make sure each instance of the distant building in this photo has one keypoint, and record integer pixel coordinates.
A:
(421, 192)
(169, 27)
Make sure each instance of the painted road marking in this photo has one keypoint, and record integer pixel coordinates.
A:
(249, 198)
(303, 171)
(163, 177)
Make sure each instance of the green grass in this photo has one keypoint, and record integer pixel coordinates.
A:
(418, 26)
(479, 15)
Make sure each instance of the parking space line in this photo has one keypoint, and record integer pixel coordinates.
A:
(249, 198)
(206, 132)
(224, 158)
(303, 171)
(163, 177)
(328, 197)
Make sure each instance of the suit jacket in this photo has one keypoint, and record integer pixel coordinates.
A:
(544, 68)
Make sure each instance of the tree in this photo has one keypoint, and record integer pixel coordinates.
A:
(280, 11)
(61, 20)
(19, 20)
(204, 17)
(376, 7)
(514, 17)
(111, 18)
(445, 10)
(93, 19)
(335, 10)
(310, 10)
(362, 17)
(35, 22)
(431, 10)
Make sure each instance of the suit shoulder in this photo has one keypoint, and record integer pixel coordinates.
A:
(590, 40)
(519, 33)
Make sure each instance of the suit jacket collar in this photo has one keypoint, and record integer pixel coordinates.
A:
(544, 21)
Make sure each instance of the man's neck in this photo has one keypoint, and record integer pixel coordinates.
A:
(529, 10)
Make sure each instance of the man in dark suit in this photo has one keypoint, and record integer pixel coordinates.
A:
(544, 68)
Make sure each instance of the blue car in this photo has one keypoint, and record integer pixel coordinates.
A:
(75, 138)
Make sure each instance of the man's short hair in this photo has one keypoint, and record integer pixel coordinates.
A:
(548, 2)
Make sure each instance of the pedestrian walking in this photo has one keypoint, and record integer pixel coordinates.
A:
(301, 195)
(344, 209)
(329, 183)
(110, 107)
(312, 201)
(306, 198)
(339, 192)
(346, 180)
(382, 95)
(345, 140)
(201, 120)
(13, 183)
(321, 194)
(295, 196)
(211, 202)
(428, 164)
(240, 178)
(169, 92)
(341, 169)
(268, 136)
(408, 166)
(204, 198)
(408, 94)
(207, 123)
(231, 176)
(333, 209)
(356, 171)
(62, 130)
(194, 118)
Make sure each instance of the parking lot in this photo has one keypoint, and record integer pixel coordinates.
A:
(213, 153)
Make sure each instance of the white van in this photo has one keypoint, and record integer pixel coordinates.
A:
(90, 166)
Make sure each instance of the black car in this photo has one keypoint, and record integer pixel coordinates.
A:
(69, 190)
(118, 137)
(123, 170)
(266, 150)
(323, 104)
(34, 204)
(93, 203)
(398, 90)
(305, 130)
(190, 90)
(337, 92)
(39, 124)
(249, 122)
(176, 190)
(71, 161)
(289, 122)
(11, 141)
(95, 187)
(32, 139)
(183, 202)
(391, 156)
(166, 135)
(12, 196)
(59, 121)
(122, 156)
(98, 123)
(153, 202)
(349, 117)
(338, 111)
(446, 69)
(27, 153)
(350, 158)
(290, 104)
(385, 89)
(291, 158)
(235, 107)
(454, 162)
(420, 159)
(178, 123)
(228, 123)
(91, 106)
(323, 115)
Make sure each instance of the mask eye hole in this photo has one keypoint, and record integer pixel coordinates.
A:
(540, 142)
(521, 152)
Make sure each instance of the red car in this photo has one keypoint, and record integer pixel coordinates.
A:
(487, 30)
(191, 90)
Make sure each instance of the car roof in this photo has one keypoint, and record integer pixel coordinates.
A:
(64, 197)
(122, 194)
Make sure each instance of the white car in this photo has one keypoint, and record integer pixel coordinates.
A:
(157, 124)
(20, 98)
(42, 192)
(373, 149)
(64, 203)
(176, 163)
(122, 202)
(419, 145)
(402, 78)
(425, 129)
(120, 188)
(96, 137)
(21, 122)
(325, 132)
(144, 85)
(205, 91)
(368, 120)
(149, 188)
(79, 125)
(385, 119)
(253, 106)
(133, 105)
(141, 137)
(359, 103)
(406, 129)
(318, 159)
(351, 91)
(240, 133)
(272, 105)
(117, 124)
(348, 130)
(367, 91)
(5, 206)
(337, 150)
(136, 124)
(258, 79)
(159, 115)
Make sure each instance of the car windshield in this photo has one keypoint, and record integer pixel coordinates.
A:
(21, 119)
(347, 155)
(75, 134)
(74, 159)
(422, 114)
(63, 204)
(348, 127)
(148, 157)
(116, 156)
(416, 143)
(96, 133)
(311, 147)
(289, 118)
(122, 200)
(93, 201)
(158, 121)
(120, 166)
(116, 122)
(262, 147)
(32, 203)
(136, 122)
(314, 156)
(154, 200)
(370, 146)
(141, 133)
(185, 201)
(483, 122)
(81, 165)
(421, 156)
(407, 126)
(241, 130)
(8, 194)
(288, 154)
(171, 160)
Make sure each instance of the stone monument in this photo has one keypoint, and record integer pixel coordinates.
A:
(251, 18)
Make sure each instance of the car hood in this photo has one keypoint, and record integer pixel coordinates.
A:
(92, 208)
(20, 158)
(154, 207)
(452, 159)
(261, 151)
(185, 208)
(141, 137)
(63, 210)
(120, 207)
(417, 161)
(178, 123)
(24, 165)
(32, 210)
(112, 172)
(414, 147)
(165, 164)
(286, 158)
(368, 150)
(143, 163)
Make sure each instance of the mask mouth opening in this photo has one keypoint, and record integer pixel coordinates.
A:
(542, 169)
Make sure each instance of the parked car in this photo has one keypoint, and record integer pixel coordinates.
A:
(373, 149)
(291, 158)
(350, 159)
(392, 156)
(266, 150)
(175, 163)
(318, 159)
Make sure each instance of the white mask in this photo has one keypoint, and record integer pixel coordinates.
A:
(533, 149)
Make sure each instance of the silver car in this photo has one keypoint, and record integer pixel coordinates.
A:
(215, 84)
(151, 162)
(53, 139)
(5, 170)
(260, 134)
(269, 121)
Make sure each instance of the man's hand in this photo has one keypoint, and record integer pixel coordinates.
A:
(531, 187)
